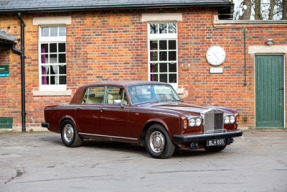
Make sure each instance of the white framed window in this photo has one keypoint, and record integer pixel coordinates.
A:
(52, 58)
(163, 52)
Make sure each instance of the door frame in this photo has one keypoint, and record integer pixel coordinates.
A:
(284, 85)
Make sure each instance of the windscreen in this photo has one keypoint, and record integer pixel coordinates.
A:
(151, 93)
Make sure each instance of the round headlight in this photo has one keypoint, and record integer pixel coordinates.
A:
(226, 119)
(198, 121)
(191, 122)
(232, 119)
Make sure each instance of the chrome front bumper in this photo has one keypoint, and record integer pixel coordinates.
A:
(204, 137)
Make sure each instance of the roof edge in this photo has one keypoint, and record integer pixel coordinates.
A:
(105, 7)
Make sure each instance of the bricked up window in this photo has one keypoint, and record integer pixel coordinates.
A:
(52, 53)
(163, 52)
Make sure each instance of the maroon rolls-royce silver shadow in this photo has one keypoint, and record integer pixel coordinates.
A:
(143, 112)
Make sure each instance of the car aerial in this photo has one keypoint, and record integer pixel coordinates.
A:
(143, 112)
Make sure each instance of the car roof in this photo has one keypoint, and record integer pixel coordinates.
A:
(122, 83)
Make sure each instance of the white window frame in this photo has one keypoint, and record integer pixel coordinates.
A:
(173, 36)
(57, 39)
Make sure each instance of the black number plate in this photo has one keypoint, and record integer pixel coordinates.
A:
(215, 142)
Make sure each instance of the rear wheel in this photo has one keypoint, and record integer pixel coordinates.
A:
(158, 142)
(214, 149)
(69, 134)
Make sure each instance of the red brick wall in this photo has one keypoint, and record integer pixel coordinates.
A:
(113, 46)
(10, 91)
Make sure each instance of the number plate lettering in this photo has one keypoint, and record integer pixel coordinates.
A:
(215, 142)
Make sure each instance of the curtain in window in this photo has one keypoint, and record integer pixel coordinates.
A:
(44, 72)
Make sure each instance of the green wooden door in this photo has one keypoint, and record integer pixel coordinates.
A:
(269, 82)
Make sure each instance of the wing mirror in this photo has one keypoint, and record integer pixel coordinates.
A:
(117, 102)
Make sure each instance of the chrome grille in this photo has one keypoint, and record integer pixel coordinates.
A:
(213, 121)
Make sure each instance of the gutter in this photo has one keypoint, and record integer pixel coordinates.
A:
(103, 7)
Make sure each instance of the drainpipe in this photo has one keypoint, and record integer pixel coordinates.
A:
(23, 112)
(244, 34)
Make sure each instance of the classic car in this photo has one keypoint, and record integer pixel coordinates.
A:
(143, 112)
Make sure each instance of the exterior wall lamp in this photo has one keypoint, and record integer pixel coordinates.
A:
(270, 42)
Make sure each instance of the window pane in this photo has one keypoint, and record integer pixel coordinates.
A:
(44, 70)
(62, 31)
(172, 56)
(44, 58)
(153, 56)
(163, 67)
(153, 67)
(114, 94)
(52, 80)
(62, 80)
(172, 44)
(45, 31)
(154, 77)
(172, 28)
(53, 58)
(153, 45)
(94, 95)
(62, 69)
(162, 45)
(62, 47)
(162, 28)
(53, 31)
(172, 67)
(97, 91)
(44, 48)
(153, 28)
(53, 47)
(44, 80)
(163, 56)
(172, 78)
(54, 69)
(62, 58)
(163, 78)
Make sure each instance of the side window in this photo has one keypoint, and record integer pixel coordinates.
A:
(94, 95)
(140, 94)
(116, 96)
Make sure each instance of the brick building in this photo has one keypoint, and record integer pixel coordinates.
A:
(71, 43)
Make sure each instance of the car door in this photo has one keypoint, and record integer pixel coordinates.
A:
(114, 113)
(87, 114)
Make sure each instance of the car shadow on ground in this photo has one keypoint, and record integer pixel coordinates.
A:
(126, 147)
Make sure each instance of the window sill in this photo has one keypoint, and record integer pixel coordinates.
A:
(52, 93)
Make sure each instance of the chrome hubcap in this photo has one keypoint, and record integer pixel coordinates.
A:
(157, 142)
(68, 133)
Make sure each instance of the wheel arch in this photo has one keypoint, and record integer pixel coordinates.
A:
(64, 119)
(149, 124)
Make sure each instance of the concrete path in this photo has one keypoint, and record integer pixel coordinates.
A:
(39, 161)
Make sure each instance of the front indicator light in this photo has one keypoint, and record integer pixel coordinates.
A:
(185, 124)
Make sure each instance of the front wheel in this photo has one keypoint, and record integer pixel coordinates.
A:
(158, 142)
(69, 134)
